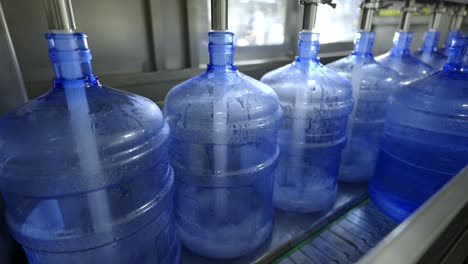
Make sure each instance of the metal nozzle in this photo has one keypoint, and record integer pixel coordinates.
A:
(310, 12)
(368, 9)
(219, 16)
(310, 15)
(408, 11)
(439, 10)
(457, 17)
(59, 14)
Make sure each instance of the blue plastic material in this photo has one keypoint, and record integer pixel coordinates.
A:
(316, 102)
(425, 139)
(372, 84)
(84, 170)
(399, 58)
(452, 34)
(428, 52)
(224, 153)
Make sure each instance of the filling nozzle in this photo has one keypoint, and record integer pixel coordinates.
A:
(219, 15)
(408, 10)
(368, 10)
(310, 12)
(59, 16)
(439, 10)
(457, 17)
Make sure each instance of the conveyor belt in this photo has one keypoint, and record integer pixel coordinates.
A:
(345, 240)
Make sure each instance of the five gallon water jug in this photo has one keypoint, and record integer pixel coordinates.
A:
(425, 139)
(428, 52)
(372, 84)
(84, 170)
(316, 102)
(399, 58)
(224, 154)
(452, 34)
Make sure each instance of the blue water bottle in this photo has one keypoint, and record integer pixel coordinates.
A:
(224, 153)
(399, 58)
(425, 139)
(428, 52)
(316, 102)
(84, 169)
(372, 84)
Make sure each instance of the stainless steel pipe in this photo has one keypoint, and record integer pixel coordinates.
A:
(310, 16)
(310, 12)
(436, 18)
(368, 10)
(219, 15)
(59, 14)
(407, 15)
(12, 90)
(457, 17)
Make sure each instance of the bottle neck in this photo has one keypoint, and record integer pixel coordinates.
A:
(71, 57)
(457, 55)
(431, 39)
(363, 44)
(221, 49)
(451, 36)
(402, 43)
(308, 47)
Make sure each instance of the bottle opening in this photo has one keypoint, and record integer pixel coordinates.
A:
(458, 57)
(363, 43)
(431, 39)
(451, 36)
(71, 56)
(221, 49)
(309, 45)
(401, 43)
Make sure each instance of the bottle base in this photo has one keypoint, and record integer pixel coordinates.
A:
(224, 243)
(146, 246)
(395, 207)
(309, 201)
(399, 187)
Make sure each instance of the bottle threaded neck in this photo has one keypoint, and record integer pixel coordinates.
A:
(71, 57)
(452, 34)
(308, 46)
(221, 50)
(431, 39)
(457, 55)
(401, 43)
(363, 43)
